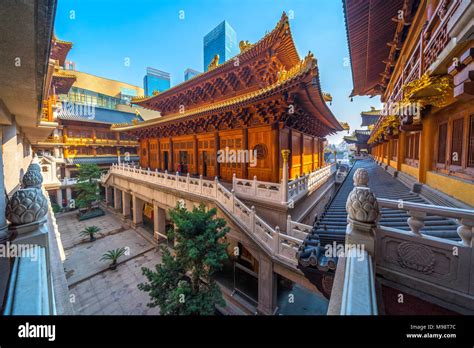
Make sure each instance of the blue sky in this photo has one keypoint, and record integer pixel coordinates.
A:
(108, 33)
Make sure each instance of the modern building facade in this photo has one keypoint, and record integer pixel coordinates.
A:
(84, 107)
(190, 73)
(156, 81)
(222, 41)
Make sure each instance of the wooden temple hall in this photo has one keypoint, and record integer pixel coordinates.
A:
(264, 100)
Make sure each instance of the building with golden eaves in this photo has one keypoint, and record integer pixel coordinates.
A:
(418, 56)
(265, 99)
(82, 108)
(267, 102)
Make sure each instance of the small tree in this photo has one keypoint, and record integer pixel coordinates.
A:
(113, 256)
(87, 185)
(90, 232)
(182, 283)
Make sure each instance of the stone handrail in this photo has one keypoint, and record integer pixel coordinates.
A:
(419, 211)
(358, 293)
(280, 245)
(258, 190)
(432, 265)
(299, 187)
(297, 229)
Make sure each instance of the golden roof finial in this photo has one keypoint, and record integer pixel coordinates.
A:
(244, 45)
(214, 63)
(327, 97)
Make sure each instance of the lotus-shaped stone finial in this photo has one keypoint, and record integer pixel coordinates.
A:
(362, 206)
(361, 177)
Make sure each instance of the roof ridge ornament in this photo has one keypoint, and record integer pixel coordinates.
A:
(308, 63)
(214, 62)
(244, 45)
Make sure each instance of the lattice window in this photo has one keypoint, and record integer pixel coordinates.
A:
(456, 142)
(470, 161)
(442, 142)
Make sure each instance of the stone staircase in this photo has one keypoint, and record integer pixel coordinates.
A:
(331, 225)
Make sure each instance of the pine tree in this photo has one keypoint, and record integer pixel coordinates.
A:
(87, 185)
(182, 284)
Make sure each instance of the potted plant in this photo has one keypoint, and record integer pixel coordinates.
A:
(90, 232)
(113, 255)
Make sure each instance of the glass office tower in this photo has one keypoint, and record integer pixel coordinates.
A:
(155, 80)
(221, 40)
(190, 73)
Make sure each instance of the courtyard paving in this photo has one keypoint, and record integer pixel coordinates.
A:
(71, 226)
(116, 292)
(94, 288)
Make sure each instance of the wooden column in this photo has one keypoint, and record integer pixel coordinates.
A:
(401, 150)
(245, 144)
(301, 154)
(389, 152)
(313, 167)
(276, 152)
(217, 147)
(171, 157)
(195, 155)
(159, 167)
(290, 147)
(426, 149)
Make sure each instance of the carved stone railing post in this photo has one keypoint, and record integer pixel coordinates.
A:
(466, 231)
(363, 213)
(284, 176)
(27, 212)
(416, 221)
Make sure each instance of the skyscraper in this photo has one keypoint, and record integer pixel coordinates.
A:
(221, 40)
(190, 73)
(155, 80)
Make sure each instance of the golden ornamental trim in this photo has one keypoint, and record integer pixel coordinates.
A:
(244, 45)
(214, 62)
(429, 90)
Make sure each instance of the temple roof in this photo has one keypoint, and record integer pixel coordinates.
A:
(371, 30)
(370, 117)
(360, 136)
(303, 76)
(77, 112)
(270, 68)
(277, 45)
(62, 81)
(60, 49)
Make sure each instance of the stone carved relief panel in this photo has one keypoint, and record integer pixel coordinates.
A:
(444, 263)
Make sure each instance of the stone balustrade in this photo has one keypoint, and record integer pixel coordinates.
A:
(431, 265)
(258, 190)
(418, 212)
(280, 245)
(299, 187)
(36, 258)
(296, 229)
